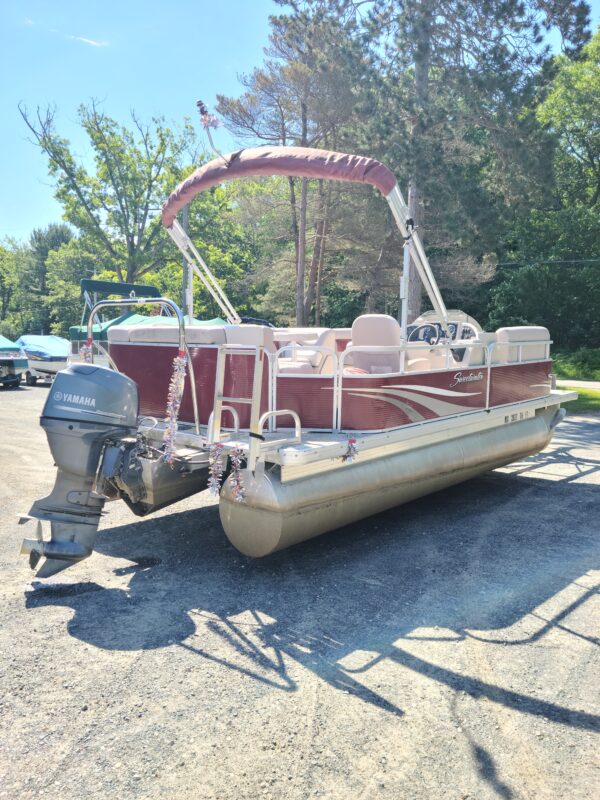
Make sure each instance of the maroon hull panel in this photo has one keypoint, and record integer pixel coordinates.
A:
(368, 403)
(375, 403)
(239, 375)
(151, 366)
(311, 398)
(520, 382)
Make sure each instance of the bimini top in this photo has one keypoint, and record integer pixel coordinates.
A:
(299, 162)
(123, 289)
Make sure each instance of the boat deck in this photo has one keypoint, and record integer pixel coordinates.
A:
(327, 448)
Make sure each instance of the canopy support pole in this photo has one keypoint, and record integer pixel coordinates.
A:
(417, 253)
(199, 266)
(187, 285)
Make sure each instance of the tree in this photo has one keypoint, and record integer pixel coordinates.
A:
(7, 281)
(456, 71)
(116, 205)
(550, 289)
(301, 96)
(66, 266)
(571, 111)
(34, 284)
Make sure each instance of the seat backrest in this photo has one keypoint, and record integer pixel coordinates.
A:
(475, 356)
(507, 352)
(373, 330)
(421, 357)
(323, 361)
(251, 335)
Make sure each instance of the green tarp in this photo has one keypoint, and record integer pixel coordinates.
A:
(79, 332)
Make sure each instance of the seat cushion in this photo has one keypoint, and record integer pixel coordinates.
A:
(536, 334)
(287, 366)
(119, 333)
(250, 335)
(166, 334)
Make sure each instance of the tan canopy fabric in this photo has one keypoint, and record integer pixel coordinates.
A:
(301, 162)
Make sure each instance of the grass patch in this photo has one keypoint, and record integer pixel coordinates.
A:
(580, 365)
(588, 401)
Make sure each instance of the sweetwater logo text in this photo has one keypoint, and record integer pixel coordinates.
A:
(78, 399)
(459, 377)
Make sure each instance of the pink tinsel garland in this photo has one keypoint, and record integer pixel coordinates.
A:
(176, 387)
(215, 468)
(351, 453)
(235, 480)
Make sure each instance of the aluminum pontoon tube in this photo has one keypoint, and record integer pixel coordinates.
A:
(275, 515)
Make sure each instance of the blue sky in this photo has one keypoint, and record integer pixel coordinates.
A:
(156, 57)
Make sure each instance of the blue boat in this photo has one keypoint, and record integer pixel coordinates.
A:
(46, 355)
(13, 363)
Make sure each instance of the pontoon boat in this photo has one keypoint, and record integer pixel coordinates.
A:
(299, 431)
(91, 291)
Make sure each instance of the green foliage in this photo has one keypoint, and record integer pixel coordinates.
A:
(572, 112)
(341, 305)
(67, 265)
(588, 402)
(8, 282)
(582, 364)
(565, 301)
(116, 205)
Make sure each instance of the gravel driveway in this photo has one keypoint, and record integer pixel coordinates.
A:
(445, 649)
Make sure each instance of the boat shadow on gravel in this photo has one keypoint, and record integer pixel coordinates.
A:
(467, 563)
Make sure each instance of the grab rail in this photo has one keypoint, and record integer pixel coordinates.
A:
(143, 301)
(256, 440)
(210, 433)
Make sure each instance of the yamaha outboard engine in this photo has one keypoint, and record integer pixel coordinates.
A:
(88, 407)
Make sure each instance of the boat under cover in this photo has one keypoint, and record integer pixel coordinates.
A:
(13, 362)
(47, 355)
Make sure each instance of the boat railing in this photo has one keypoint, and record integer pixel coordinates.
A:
(154, 301)
(333, 373)
(341, 361)
(545, 343)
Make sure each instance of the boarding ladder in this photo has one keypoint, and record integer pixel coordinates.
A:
(221, 403)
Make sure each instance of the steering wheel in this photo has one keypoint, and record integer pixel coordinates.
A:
(425, 333)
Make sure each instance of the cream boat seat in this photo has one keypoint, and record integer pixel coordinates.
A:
(251, 336)
(505, 352)
(166, 334)
(306, 360)
(422, 357)
(376, 330)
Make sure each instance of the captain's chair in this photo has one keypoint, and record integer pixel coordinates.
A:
(376, 330)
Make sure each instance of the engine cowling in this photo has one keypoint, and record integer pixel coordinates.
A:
(88, 406)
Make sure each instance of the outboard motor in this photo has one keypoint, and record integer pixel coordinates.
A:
(87, 408)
